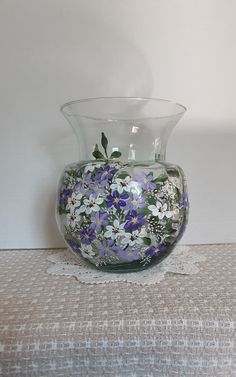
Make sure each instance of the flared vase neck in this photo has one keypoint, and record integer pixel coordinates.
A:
(132, 129)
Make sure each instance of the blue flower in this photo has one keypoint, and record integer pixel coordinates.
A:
(106, 172)
(129, 254)
(99, 220)
(145, 181)
(154, 251)
(105, 248)
(135, 202)
(134, 220)
(83, 182)
(87, 235)
(64, 195)
(97, 188)
(117, 200)
(74, 246)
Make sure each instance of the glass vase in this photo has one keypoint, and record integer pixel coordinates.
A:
(122, 206)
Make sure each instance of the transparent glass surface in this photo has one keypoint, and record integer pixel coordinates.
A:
(122, 206)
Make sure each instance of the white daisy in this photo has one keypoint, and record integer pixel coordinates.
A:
(115, 230)
(73, 218)
(160, 210)
(74, 201)
(122, 185)
(90, 205)
(134, 238)
(90, 167)
(87, 251)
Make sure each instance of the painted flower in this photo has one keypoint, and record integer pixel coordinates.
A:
(99, 220)
(145, 180)
(134, 238)
(135, 202)
(87, 235)
(73, 218)
(122, 185)
(91, 167)
(134, 220)
(64, 195)
(106, 172)
(117, 200)
(154, 251)
(185, 200)
(90, 205)
(74, 201)
(129, 254)
(97, 188)
(160, 210)
(105, 248)
(115, 230)
(87, 251)
(83, 182)
(74, 246)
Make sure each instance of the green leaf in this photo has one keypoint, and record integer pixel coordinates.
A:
(151, 200)
(104, 143)
(147, 241)
(168, 228)
(115, 154)
(161, 178)
(62, 210)
(98, 155)
(123, 174)
(143, 210)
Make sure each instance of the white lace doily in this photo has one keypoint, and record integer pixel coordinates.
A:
(181, 261)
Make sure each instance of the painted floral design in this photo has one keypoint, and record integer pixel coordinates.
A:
(112, 213)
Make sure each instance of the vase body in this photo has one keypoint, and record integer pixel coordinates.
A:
(123, 207)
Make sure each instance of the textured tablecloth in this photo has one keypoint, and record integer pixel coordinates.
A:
(56, 326)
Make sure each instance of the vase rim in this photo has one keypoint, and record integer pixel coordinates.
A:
(179, 108)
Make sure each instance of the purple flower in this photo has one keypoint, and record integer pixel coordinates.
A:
(154, 251)
(96, 188)
(64, 195)
(74, 246)
(87, 235)
(135, 202)
(117, 200)
(99, 220)
(134, 220)
(129, 254)
(105, 248)
(106, 172)
(145, 181)
(83, 182)
(185, 200)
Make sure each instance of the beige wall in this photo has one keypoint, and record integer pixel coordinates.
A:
(53, 51)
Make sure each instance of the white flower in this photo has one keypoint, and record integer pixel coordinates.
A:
(160, 210)
(135, 188)
(122, 185)
(87, 251)
(134, 238)
(115, 230)
(90, 168)
(91, 205)
(73, 218)
(74, 201)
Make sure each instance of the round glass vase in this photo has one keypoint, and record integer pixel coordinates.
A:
(122, 207)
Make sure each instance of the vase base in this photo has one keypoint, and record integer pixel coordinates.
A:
(134, 266)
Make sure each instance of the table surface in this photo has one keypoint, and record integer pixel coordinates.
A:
(56, 326)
